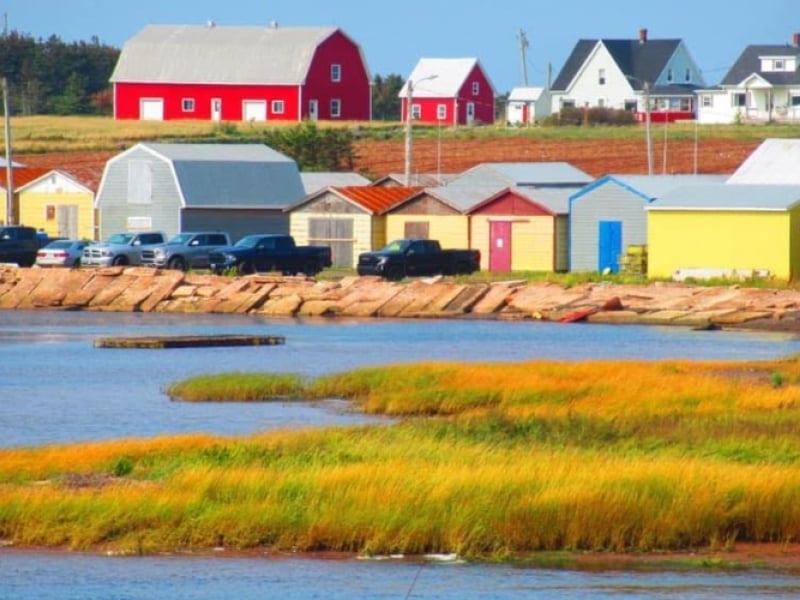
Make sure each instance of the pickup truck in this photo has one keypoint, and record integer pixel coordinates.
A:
(409, 257)
(187, 250)
(19, 245)
(270, 252)
(120, 249)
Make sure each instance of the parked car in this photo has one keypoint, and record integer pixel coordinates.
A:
(417, 257)
(61, 253)
(121, 249)
(188, 250)
(270, 252)
(18, 245)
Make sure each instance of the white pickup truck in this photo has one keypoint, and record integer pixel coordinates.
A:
(188, 250)
(121, 249)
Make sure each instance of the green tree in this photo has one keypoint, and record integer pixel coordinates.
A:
(386, 103)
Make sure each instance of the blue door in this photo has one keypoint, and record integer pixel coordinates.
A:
(610, 235)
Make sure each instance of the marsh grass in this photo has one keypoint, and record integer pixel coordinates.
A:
(488, 460)
(237, 387)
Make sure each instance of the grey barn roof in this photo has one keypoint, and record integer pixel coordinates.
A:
(232, 175)
(749, 63)
(463, 198)
(216, 54)
(776, 160)
(316, 181)
(643, 61)
(729, 197)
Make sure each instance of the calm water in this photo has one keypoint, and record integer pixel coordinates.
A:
(55, 386)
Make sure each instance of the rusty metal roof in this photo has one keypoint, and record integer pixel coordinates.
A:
(375, 200)
(22, 176)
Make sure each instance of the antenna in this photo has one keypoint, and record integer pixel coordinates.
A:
(523, 47)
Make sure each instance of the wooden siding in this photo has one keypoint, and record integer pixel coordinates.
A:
(425, 204)
(236, 222)
(34, 212)
(721, 240)
(163, 211)
(609, 202)
(533, 241)
(452, 231)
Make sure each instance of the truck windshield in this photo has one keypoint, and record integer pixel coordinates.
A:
(181, 239)
(248, 241)
(397, 246)
(121, 238)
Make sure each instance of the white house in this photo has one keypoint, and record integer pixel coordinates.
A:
(526, 105)
(763, 85)
(626, 74)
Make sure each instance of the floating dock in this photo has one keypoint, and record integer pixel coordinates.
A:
(188, 341)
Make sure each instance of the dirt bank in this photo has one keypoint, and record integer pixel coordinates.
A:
(138, 289)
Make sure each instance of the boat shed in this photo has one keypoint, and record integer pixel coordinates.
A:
(608, 216)
(237, 188)
(725, 230)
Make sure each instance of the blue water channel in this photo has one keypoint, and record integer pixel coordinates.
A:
(57, 387)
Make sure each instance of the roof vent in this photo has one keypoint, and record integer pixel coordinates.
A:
(273, 25)
(642, 35)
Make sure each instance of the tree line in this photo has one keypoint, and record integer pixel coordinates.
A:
(53, 77)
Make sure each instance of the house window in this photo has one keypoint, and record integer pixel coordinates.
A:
(567, 103)
(278, 107)
(669, 75)
(687, 76)
(779, 65)
(416, 111)
(187, 105)
(685, 104)
(336, 73)
(601, 76)
(441, 111)
(336, 108)
(739, 100)
(630, 105)
(601, 102)
(794, 101)
(476, 88)
(706, 101)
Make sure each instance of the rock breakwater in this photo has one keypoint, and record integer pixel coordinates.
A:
(131, 289)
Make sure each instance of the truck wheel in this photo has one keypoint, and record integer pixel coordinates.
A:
(177, 263)
(395, 273)
(245, 268)
(310, 269)
(119, 261)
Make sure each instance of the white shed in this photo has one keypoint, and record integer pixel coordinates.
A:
(526, 105)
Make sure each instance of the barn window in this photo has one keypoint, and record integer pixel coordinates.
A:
(601, 76)
(336, 73)
(336, 108)
(476, 88)
(278, 107)
(187, 104)
(441, 111)
(416, 111)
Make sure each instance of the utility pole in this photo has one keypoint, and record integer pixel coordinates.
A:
(648, 133)
(523, 47)
(409, 99)
(9, 167)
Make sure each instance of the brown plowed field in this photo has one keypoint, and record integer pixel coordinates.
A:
(378, 158)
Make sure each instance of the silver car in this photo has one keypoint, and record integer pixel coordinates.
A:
(61, 253)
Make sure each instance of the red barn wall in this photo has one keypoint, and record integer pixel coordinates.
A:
(483, 101)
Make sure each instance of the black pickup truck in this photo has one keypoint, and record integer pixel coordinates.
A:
(269, 252)
(19, 245)
(410, 257)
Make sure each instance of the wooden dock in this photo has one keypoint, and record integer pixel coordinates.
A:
(188, 341)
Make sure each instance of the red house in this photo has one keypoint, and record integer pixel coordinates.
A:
(215, 73)
(448, 91)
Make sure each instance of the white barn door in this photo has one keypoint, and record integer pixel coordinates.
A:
(254, 110)
(152, 109)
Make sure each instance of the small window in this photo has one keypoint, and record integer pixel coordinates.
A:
(50, 212)
(441, 112)
(278, 107)
(687, 75)
(336, 108)
(336, 73)
(669, 75)
(739, 100)
(601, 102)
(187, 104)
(780, 65)
(794, 101)
(567, 103)
(601, 76)
(630, 105)
(416, 111)
(706, 101)
(476, 88)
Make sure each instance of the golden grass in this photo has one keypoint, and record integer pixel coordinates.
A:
(490, 460)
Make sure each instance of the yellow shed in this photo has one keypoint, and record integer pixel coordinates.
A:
(523, 230)
(59, 205)
(725, 230)
(349, 219)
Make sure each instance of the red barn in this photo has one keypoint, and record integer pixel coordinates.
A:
(216, 73)
(448, 91)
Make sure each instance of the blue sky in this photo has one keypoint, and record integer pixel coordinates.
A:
(394, 35)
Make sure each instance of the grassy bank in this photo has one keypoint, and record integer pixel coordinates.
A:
(489, 461)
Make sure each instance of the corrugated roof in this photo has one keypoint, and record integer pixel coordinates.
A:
(375, 200)
(219, 54)
(773, 161)
(314, 182)
(232, 175)
(419, 179)
(649, 187)
(727, 197)
(22, 176)
(463, 198)
(749, 62)
(556, 200)
(439, 77)
(516, 174)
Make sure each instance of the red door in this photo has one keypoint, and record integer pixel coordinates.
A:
(500, 246)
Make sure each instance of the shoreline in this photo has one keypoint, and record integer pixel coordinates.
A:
(142, 289)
